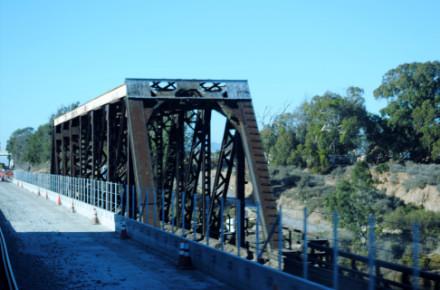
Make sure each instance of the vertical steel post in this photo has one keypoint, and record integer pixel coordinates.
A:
(371, 254)
(155, 208)
(72, 186)
(146, 207)
(133, 202)
(222, 230)
(280, 239)
(108, 130)
(93, 191)
(415, 256)
(238, 226)
(100, 193)
(116, 192)
(257, 231)
(89, 191)
(180, 170)
(172, 210)
(107, 195)
(195, 218)
(163, 209)
(305, 247)
(96, 192)
(240, 186)
(183, 213)
(208, 221)
(102, 189)
(335, 251)
(85, 189)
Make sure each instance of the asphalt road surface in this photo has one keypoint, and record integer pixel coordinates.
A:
(52, 248)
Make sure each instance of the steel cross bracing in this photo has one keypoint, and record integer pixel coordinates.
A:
(154, 136)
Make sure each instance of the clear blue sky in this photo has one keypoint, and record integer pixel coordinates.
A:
(58, 52)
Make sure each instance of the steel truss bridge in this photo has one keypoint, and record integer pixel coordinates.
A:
(153, 137)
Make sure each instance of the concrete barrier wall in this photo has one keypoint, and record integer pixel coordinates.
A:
(235, 271)
(105, 217)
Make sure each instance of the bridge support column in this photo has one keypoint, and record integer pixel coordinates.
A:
(140, 157)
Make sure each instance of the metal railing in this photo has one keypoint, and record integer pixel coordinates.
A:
(102, 194)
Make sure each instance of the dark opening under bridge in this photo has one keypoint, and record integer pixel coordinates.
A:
(143, 151)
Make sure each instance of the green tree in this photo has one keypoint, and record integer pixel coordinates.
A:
(285, 144)
(353, 198)
(62, 110)
(280, 139)
(27, 145)
(327, 127)
(379, 141)
(17, 143)
(38, 145)
(335, 125)
(413, 110)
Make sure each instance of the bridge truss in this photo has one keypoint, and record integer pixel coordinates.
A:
(155, 136)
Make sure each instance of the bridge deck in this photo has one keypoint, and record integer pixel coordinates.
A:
(51, 247)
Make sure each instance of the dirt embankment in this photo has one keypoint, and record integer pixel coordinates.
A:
(395, 184)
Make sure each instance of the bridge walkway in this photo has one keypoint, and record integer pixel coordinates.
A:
(52, 248)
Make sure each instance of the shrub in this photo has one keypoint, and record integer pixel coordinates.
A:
(435, 261)
(338, 172)
(383, 167)
(420, 175)
(397, 250)
(421, 181)
(393, 179)
(406, 216)
(396, 167)
(415, 182)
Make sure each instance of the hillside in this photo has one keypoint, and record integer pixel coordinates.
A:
(397, 195)
(417, 184)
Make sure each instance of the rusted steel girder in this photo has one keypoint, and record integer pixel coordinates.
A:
(154, 136)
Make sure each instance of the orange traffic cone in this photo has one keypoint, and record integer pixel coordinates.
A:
(58, 200)
(124, 234)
